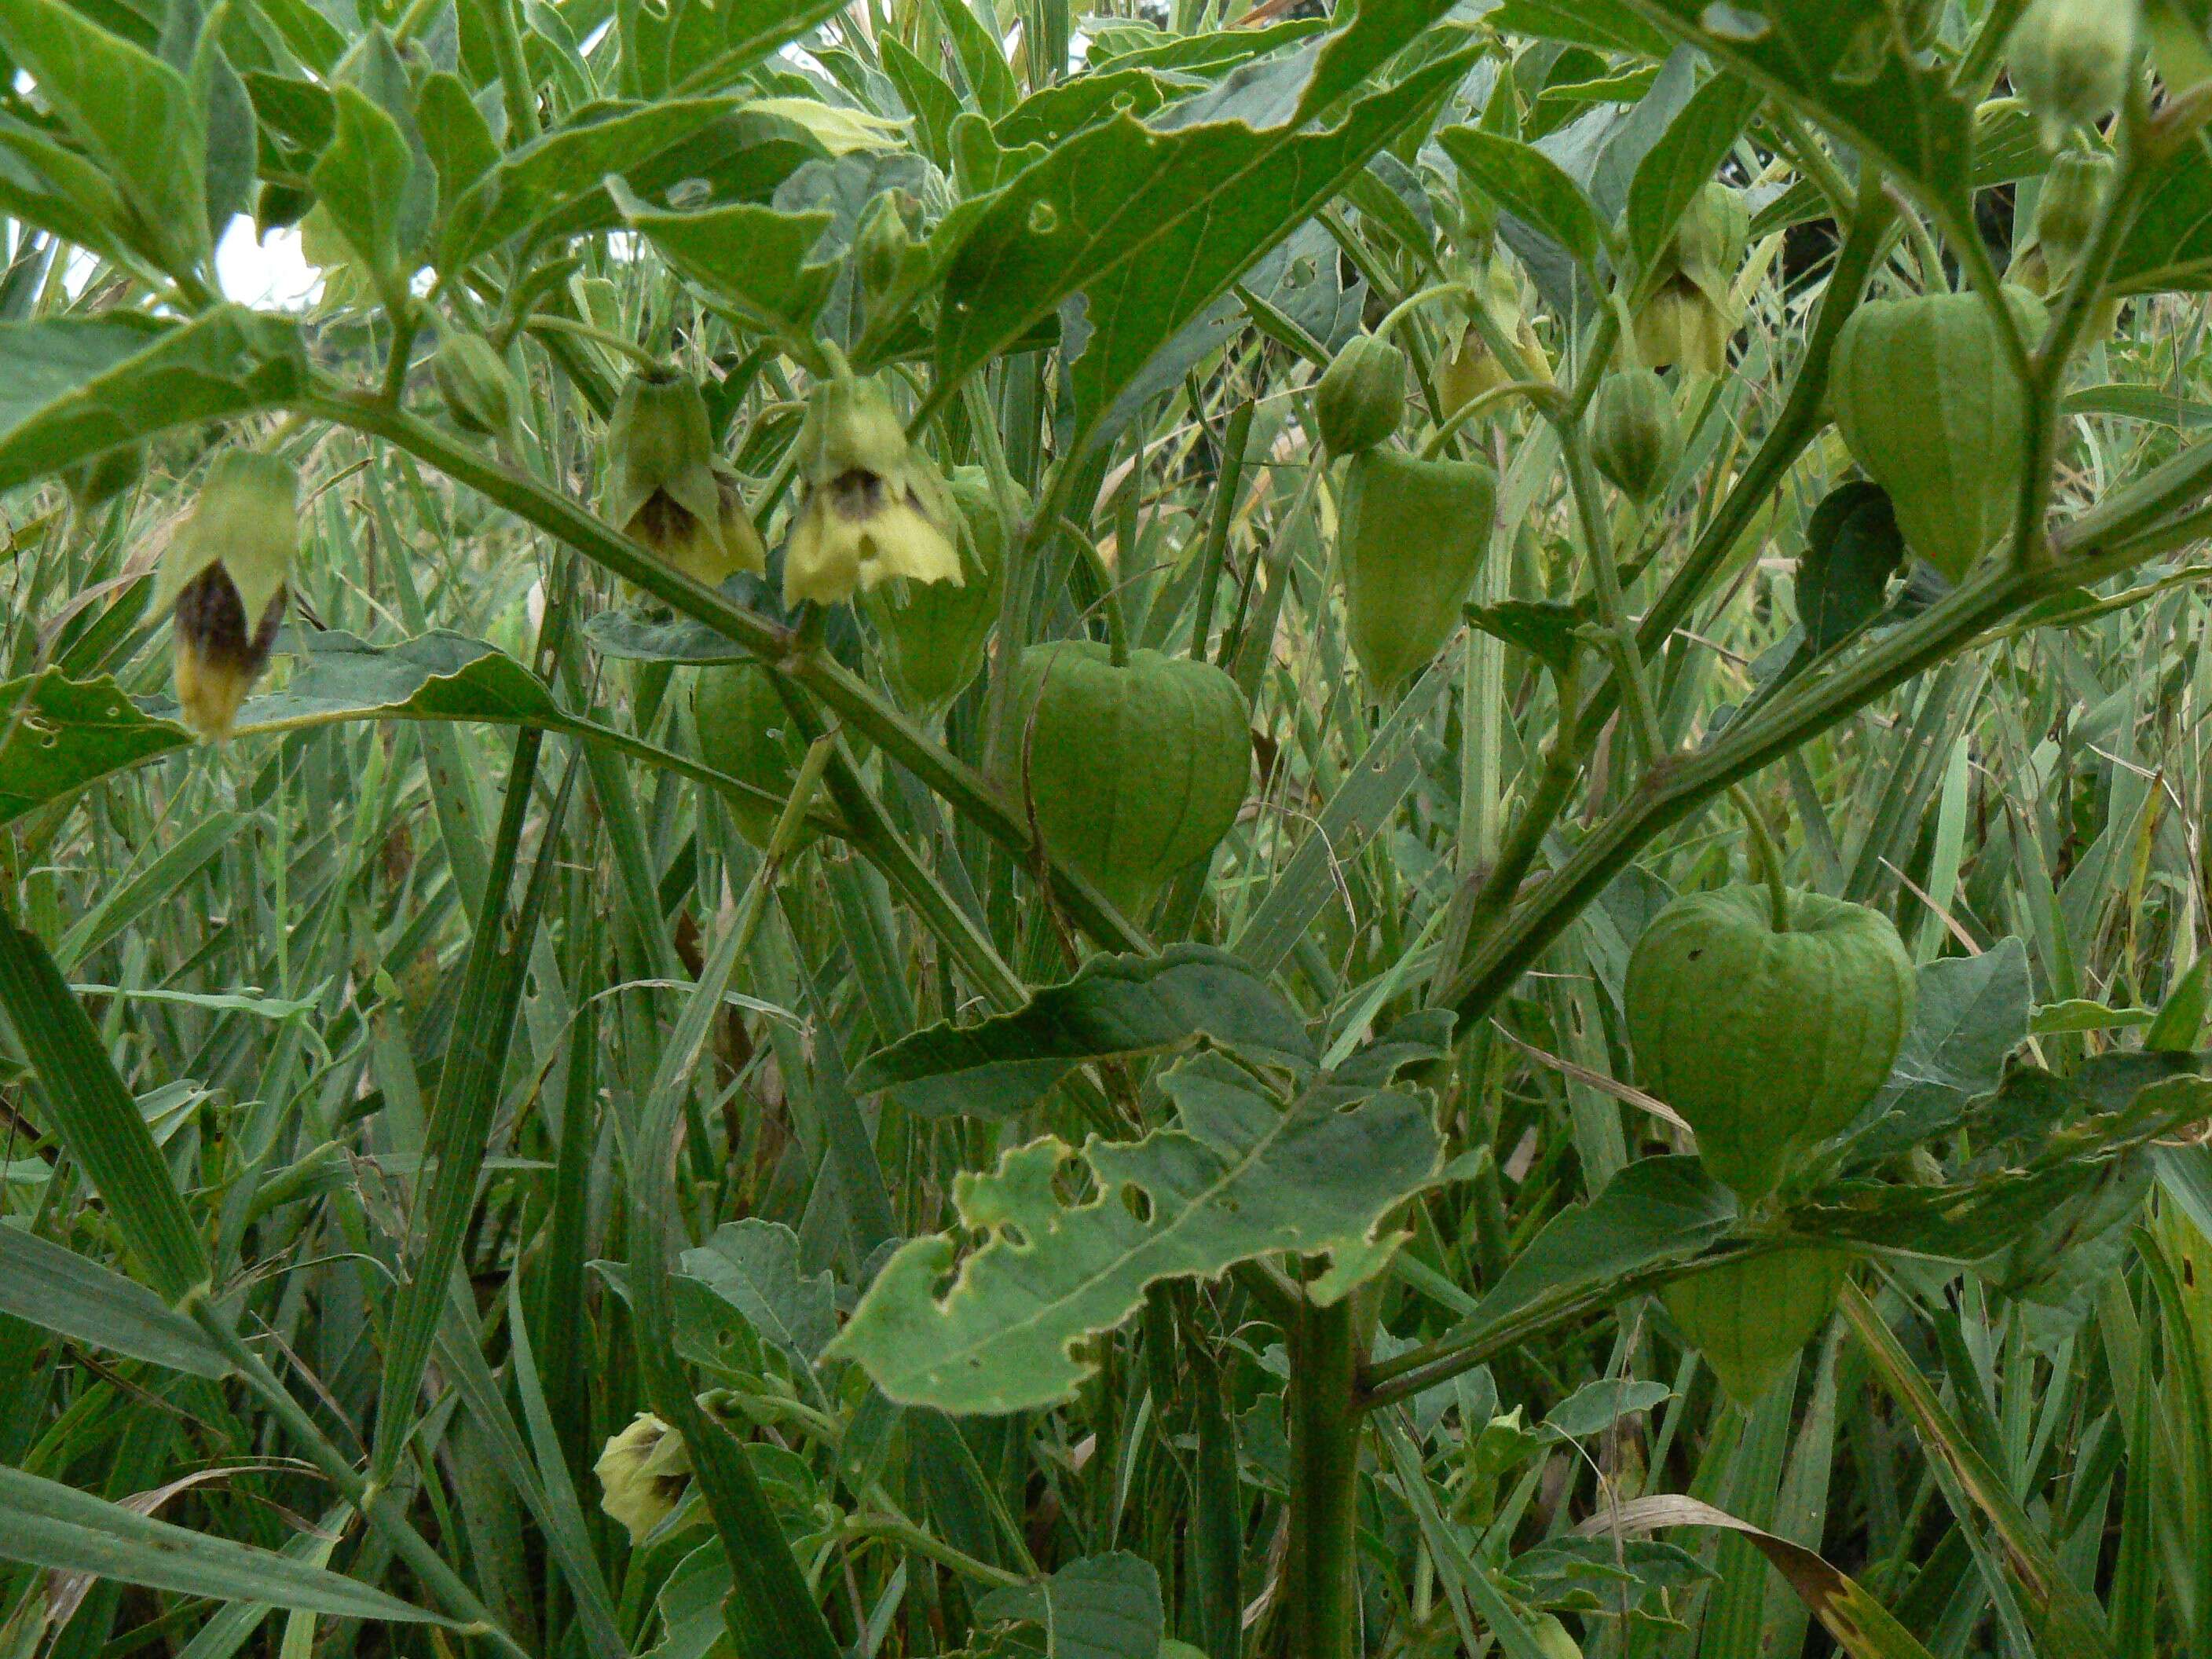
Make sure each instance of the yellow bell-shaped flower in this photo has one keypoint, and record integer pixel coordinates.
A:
(875, 508)
(663, 486)
(223, 578)
(643, 1472)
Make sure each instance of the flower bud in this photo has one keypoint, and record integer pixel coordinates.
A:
(874, 507)
(1361, 396)
(2072, 201)
(223, 578)
(475, 384)
(883, 246)
(663, 486)
(2070, 60)
(1471, 370)
(1634, 437)
(643, 1472)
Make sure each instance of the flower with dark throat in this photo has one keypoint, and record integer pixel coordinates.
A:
(223, 578)
(876, 507)
(663, 486)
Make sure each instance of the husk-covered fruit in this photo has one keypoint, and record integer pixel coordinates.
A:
(1411, 535)
(1929, 405)
(1361, 396)
(1635, 438)
(224, 573)
(1765, 1042)
(933, 634)
(874, 507)
(1750, 1317)
(746, 730)
(2073, 201)
(2069, 61)
(1134, 770)
(664, 486)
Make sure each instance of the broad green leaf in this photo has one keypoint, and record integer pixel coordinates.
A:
(1673, 170)
(929, 99)
(59, 735)
(45, 183)
(1970, 1012)
(45, 1524)
(1530, 186)
(1852, 548)
(1240, 1175)
(131, 112)
(71, 388)
(1050, 114)
(1844, 63)
(755, 259)
(754, 1266)
(982, 60)
(1656, 1210)
(2085, 1014)
(1102, 1607)
(1151, 225)
(1607, 25)
(361, 181)
(549, 172)
(2169, 245)
(455, 134)
(95, 1118)
(60, 1291)
(1115, 1006)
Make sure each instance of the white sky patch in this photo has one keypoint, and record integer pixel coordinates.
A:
(271, 275)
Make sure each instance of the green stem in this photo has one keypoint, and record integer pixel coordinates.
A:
(965, 789)
(914, 1540)
(1765, 854)
(1110, 592)
(1480, 404)
(1612, 604)
(1320, 1569)
(1412, 302)
(1228, 482)
(545, 322)
(521, 97)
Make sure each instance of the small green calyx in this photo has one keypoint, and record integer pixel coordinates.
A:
(933, 634)
(1766, 1041)
(1635, 438)
(1750, 1317)
(665, 488)
(1412, 535)
(223, 577)
(875, 508)
(476, 386)
(2070, 60)
(1361, 396)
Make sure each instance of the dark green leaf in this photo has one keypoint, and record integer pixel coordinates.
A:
(1103, 1607)
(1114, 1006)
(61, 1291)
(1531, 186)
(1673, 170)
(1852, 548)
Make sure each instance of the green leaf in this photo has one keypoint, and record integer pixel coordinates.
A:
(1656, 1210)
(59, 735)
(1970, 1012)
(1843, 62)
(45, 1524)
(1607, 25)
(1852, 548)
(1673, 170)
(1102, 1607)
(455, 134)
(755, 259)
(1530, 186)
(132, 112)
(982, 59)
(2181, 1016)
(71, 388)
(60, 1291)
(1240, 1176)
(361, 181)
(554, 171)
(95, 1117)
(2083, 1014)
(1115, 1006)
(2168, 245)
(754, 1266)
(1152, 225)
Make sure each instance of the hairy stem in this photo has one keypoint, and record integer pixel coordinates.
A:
(1320, 1578)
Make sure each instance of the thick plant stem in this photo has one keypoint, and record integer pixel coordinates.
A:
(1321, 1585)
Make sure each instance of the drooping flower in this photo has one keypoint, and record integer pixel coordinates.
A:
(875, 506)
(665, 488)
(643, 1472)
(223, 578)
